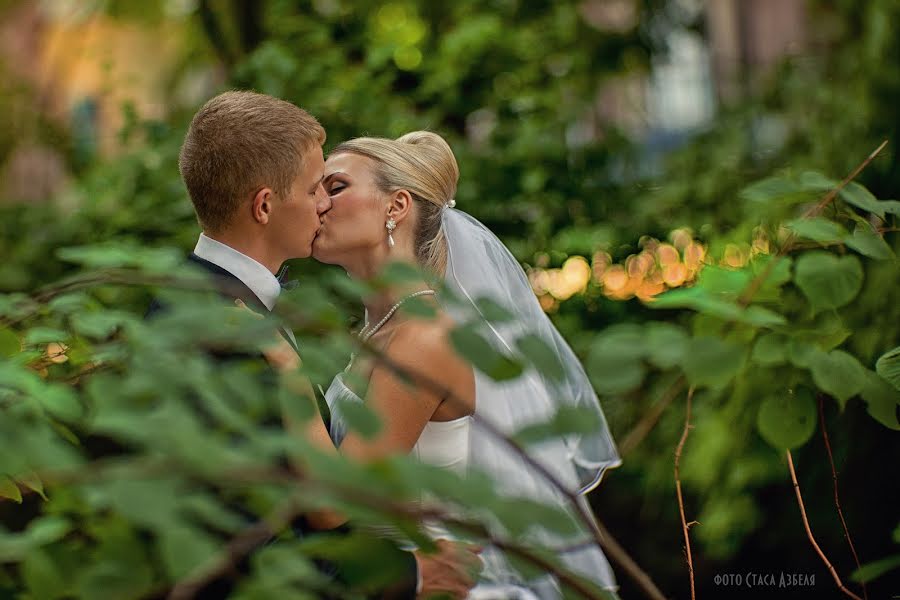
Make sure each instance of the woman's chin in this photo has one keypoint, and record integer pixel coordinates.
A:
(320, 251)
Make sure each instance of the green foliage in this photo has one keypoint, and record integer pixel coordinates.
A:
(788, 420)
(506, 83)
(888, 366)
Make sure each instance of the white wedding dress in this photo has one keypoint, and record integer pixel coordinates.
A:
(443, 444)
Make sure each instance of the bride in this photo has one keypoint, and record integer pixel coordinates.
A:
(392, 200)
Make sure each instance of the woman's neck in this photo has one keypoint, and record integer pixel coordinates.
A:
(372, 264)
(378, 305)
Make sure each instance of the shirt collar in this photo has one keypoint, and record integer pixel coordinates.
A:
(255, 276)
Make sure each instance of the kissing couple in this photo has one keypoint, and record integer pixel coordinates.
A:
(263, 193)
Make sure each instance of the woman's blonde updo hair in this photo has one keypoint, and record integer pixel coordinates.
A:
(422, 163)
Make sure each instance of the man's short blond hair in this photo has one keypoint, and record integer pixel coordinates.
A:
(238, 143)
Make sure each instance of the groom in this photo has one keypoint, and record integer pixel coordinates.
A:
(253, 167)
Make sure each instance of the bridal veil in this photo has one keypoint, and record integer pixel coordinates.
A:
(479, 266)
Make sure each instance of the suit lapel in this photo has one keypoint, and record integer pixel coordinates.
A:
(229, 285)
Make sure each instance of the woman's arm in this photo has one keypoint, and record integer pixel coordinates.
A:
(421, 349)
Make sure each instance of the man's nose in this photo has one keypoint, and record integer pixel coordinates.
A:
(323, 202)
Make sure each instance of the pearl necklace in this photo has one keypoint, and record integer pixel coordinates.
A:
(367, 333)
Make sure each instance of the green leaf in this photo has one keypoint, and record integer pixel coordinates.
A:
(615, 375)
(360, 418)
(621, 341)
(399, 272)
(32, 482)
(544, 358)
(520, 514)
(16, 305)
(14, 547)
(770, 349)
(45, 335)
(827, 331)
(615, 361)
(9, 489)
(723, 282)
(712, 362)
(472, 346)
(816, 182)
(860, 197)
(873, 570)
(838, 374)
(279, 564)
(123, 254)
(891, 207)
(99, 256)
(817, 229)
(61, 402)
(761, 317)
(775, 276)
(828, 281)
(42, 575)
(567, 420)
(492, 311)
(210, 511)
(346, 286)
(665, 344)
(119, 568)
(148, 503)
(868, 242)
(100, 324)
(70, 303)
(364, 559)
(9, 343)
(888, 366)
(48, 529)
(787, 420)
(185, 549)
(20, 378)
(706, 303)
(768, 190)
(420, 307)
(882, 400)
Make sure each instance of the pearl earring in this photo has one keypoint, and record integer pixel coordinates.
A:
(391, 225)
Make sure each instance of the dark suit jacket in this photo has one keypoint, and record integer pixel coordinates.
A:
(231, 287)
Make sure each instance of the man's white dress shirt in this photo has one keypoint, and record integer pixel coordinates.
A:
(254, 275)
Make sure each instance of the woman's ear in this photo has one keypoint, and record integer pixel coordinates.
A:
(400, 205)
(261, 208)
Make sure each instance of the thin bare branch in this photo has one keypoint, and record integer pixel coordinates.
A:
(684, 524)
(643, 428)
(240, 546)
(837, 501)
(830, 196)
(809, 533)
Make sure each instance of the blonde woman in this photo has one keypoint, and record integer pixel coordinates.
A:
(393, 200)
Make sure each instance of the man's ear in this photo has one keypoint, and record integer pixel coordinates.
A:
(261, 208)
(400, 205)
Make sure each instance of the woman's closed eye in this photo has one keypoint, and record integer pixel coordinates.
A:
(336, 188)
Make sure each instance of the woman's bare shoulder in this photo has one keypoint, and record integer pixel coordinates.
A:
(422, 338)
